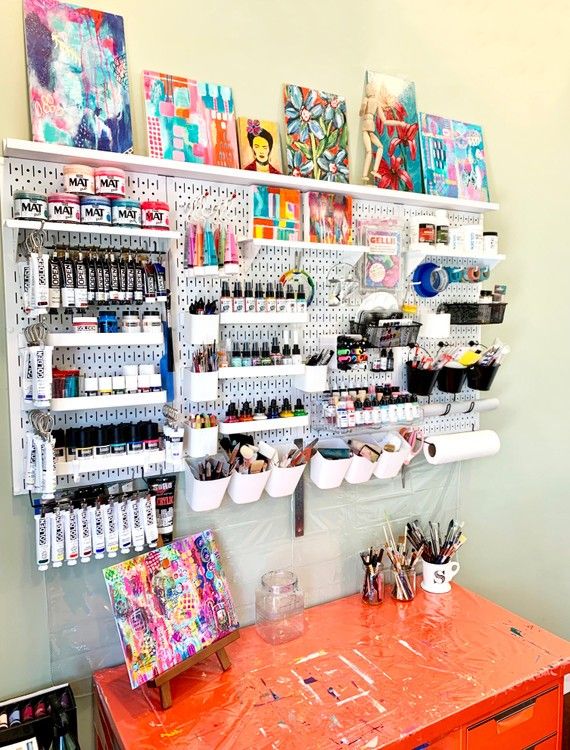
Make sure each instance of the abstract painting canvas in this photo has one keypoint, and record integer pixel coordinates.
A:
(391, 122)
(259, 147)
(453, 158)
(190, 121)
(170, 604)
(317, 134)
(77, 76)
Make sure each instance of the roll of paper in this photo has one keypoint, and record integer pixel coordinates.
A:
(435, 325)
(460, 446)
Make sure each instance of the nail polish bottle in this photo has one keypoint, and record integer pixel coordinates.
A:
(299, 410)
(255, 356)
(301, 300)
(246, 413)
(287, 358)
(259, 411)
(236, 355)
(290, 302)
(265, 354)
(276, 356)
(231, 413)
(376, 419)
(245, 355)
(273, 411)
(286, 410)
(269, 299)
(259, 298)
(296, 355)
(280, 302)
(225, 298)
(367, 408)
(248, 298)
(383, 364)
(237, 298)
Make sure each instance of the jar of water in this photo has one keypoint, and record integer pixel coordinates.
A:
(279, 605)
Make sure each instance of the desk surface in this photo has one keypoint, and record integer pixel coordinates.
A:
(362, 677)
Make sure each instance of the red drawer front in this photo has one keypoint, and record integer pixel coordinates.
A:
(549, 744)
(449, 742)
(521, 726)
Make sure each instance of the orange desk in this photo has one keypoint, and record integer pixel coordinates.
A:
(444, 671)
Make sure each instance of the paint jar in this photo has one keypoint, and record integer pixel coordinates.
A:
(126, 213)
(151, 321)
(279, 607)
(30, 206)
(84, 324)
(404, 588)
(130, 322)
(490, 243)
(155, 215)
(108, 322)
(90, 386)
(79, 178)
(95, 210)
(423, 230)
(110, 182)
(64, 207)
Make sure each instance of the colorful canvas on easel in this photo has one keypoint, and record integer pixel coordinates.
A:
(317, 134)
(77, 76)
(396, 133)
(453, 158)
(169, 604)
(259, 147)
(190, 121)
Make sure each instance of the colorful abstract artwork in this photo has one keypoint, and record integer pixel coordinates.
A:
(259, 147)
(453, 157)
(77, 76)
(327, 218)
(276, 213)
(190, 121)
(169, 604)
(317, 134)
(393, 123)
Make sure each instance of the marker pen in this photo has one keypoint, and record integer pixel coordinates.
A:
(57, 539)
(124, 526)
(43, 538)
(97, 531)
(148, 511)
(71, 536)
(136, 521)
(84, 533)
(110, 529)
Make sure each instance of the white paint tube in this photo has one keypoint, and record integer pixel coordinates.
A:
(41, 374)
(23, 269)
(124, 527)
(136, 521)
(57, 539)
(148, 510)
(30, 461)
(27, 375)
(38, 477)
(84, 533)
(39, 284)
(43, 531)
(48, 482)
(97, 531)
(70, 536)
(111, 529)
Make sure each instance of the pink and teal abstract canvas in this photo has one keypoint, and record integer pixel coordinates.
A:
(169, 604)
(77, 76)
(453, 157)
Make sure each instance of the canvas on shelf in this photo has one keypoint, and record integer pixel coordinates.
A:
(395, 127)
(169, 604)
(317, 134)
(259, 146)
(190, 121)
(77, 76)
(453, 158)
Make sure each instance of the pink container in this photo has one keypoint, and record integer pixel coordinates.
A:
(155, 215)
(110, 182)
(64, 207)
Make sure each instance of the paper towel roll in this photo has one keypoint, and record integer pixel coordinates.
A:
(435, 325)
(459, 446)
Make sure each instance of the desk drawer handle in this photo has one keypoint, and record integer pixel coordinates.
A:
(515, 716)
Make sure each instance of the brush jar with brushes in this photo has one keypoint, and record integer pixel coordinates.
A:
(373, 584)
(279, 607)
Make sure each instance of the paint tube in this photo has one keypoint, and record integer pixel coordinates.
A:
(48, 482)
(113, 280)
(128, 269)
(43, 532)
(101, 293)
(80, 288)
(30, 446)
(27, 375)
(163, 489)
(39, 282)
(67, 282)
(173, 443)
(123, 296)
(84, 533)
(41, 374)
(124, 526)
(136, 521)
(161, 290)
(38, 476)
(57, 539)
(54, 272)
(23, 269)
(91, 281)
(139, 281)
(148, 510)
(149, 283)
(97, 531)
(70, 536)
(111, 529)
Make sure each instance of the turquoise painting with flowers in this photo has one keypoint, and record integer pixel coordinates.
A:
(395, 124)
(317, 134)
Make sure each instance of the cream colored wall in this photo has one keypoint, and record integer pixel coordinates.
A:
(496, 63)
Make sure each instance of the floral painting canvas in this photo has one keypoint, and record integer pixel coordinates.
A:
(190, 121)
(317, 134)
(77, 76)
(259, 147)
(393, 123)
(169, 604)
(453, 157)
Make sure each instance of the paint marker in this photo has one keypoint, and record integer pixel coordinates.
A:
(71, 536)
(97, 531)
(57, 539)
(84, 533)
(136, 521)
(43, 531)
(148, 510)
(111, 529)
(124, 527)
(27, 375)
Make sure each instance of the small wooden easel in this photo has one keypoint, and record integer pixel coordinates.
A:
(162, 682)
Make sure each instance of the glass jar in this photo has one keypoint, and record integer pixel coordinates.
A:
(279, 605)
(404, 589)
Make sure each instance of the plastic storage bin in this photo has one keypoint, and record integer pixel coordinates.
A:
(247, 488)
(314, 380)
(390, 463)
(360, 470)
(481, 378)
(201, 386)
(203, 442)
(282, 481)
(451, 379)
(202, 496)
(421, 382)
(202, 329)
(328, 473)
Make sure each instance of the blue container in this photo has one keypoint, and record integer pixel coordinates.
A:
(126, 213)
(107, 322)
(95, 210)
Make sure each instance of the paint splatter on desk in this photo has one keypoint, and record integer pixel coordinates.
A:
(392, 676)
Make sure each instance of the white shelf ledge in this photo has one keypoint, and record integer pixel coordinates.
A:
(268, 371)
(263, 425)
(115, 401)
(134, 163)
(415, 257)
(112, 231)
(105, 339)
(231, 318)
(108, 463)
(350, 254)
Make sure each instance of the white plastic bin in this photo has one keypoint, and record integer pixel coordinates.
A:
(360, 470)
(202, 386)
(282, 482)
(247, 488)
(328, 473)
(314, 379)
(390, 464)
(202, 496)
(202, 329)
(203, 442)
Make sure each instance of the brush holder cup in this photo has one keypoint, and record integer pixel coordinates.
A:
(420, 382)
(451, 379)
(481, 378)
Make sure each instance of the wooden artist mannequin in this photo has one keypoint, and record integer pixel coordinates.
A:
(370, 108)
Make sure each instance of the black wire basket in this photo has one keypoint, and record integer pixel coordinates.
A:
(474, 313)
(382, 333)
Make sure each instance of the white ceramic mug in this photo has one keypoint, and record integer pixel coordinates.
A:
(437, 578)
